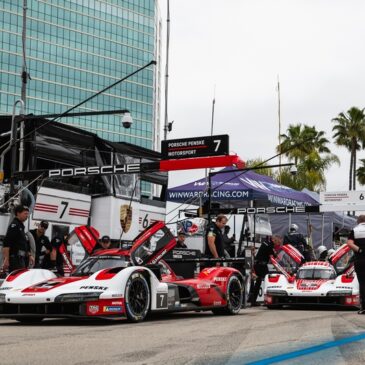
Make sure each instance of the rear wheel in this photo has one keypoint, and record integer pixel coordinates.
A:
(29, 319)
(137, 298)
(234, 297)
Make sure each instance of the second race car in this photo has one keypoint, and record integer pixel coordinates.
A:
(330, 282)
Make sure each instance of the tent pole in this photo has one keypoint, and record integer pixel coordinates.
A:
(322, 228)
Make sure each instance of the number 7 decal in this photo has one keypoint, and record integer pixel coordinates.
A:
(64, 209)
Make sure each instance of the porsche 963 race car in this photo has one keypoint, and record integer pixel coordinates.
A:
(116, 283)
(331, 282)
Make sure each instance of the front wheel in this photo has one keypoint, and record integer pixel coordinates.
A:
(234, 297)
(137, 298)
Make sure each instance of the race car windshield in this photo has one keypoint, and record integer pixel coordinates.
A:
(93, 264)
(316, 274)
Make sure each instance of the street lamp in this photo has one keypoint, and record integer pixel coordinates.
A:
(127, 121)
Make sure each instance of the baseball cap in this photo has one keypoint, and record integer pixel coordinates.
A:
(105, 238)
(44, 224)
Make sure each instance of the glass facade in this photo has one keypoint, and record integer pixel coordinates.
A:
(75, 48)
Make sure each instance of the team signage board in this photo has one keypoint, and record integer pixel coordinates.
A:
(95, 170)
(195, 147)
(62, 206)
(342, 201)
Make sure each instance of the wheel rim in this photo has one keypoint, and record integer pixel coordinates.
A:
(235, 294)
(138, 297)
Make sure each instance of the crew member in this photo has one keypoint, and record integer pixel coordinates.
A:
(228, 241)
(42, 244)
(180, 242)
(214, 238)
(54, 260)
(16, 251)
(262, 258)
(103, 244)
(298, 241)
(356, 241)
(322, 253)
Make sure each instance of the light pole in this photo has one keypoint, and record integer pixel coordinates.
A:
(127, 122)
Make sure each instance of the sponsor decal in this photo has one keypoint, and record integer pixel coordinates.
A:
(117, 295)
(6, 288)
(93, 309)
(275, 287)
(112, 308)
(217, 303)
(183, 253)
(271, 210)
(203, 286)
(94, 287)
(219, 278)
(343, 287)
(157, 258)
(28, 295)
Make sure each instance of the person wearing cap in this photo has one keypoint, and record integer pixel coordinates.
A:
(16, 251)
(103, 244)
(42, 244)
(180, 242)
(298, 241)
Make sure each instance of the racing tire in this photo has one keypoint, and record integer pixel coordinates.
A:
(137, 298)
(234, 295)
(29, 319)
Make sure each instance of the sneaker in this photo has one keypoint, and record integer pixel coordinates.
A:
(361, 311)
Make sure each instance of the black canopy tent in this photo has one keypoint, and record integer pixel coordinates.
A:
(50, 145)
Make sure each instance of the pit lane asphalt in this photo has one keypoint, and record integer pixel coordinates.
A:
(188, 338)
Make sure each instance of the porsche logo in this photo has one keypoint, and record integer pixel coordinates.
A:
(125, 217)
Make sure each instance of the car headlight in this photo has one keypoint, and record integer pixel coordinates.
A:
(77, 297)
(277, 293)
(339, 293)
(2, 298)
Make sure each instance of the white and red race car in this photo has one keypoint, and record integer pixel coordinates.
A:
(331, 282)
(116, 283)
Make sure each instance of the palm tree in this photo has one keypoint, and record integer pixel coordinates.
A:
(259, 162)
(307, 148)
(360, 173)
(349, 132)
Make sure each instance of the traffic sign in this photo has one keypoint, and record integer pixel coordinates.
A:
(195, 147)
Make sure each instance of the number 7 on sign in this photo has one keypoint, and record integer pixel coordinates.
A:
(217, 143)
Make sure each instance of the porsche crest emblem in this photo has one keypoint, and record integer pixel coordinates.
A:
(125, 217)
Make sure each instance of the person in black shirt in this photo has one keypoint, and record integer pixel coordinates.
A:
(356, 241)
(228, 241)
(180, 242)
(16, 251)
(298, 241)
(262, 258)
(214, 238)
(54, 260)
(41, 243)
(103, 244)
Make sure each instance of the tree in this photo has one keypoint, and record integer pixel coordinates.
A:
(360, 173)
(259, 162)
(307, 148)
(349, 132)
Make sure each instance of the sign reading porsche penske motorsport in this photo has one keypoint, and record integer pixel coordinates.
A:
(195, 147)
(342, 201)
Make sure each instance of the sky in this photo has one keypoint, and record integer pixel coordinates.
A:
(240, 48)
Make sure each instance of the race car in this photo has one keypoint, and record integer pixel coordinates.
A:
(117, 283)
(331, 282)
